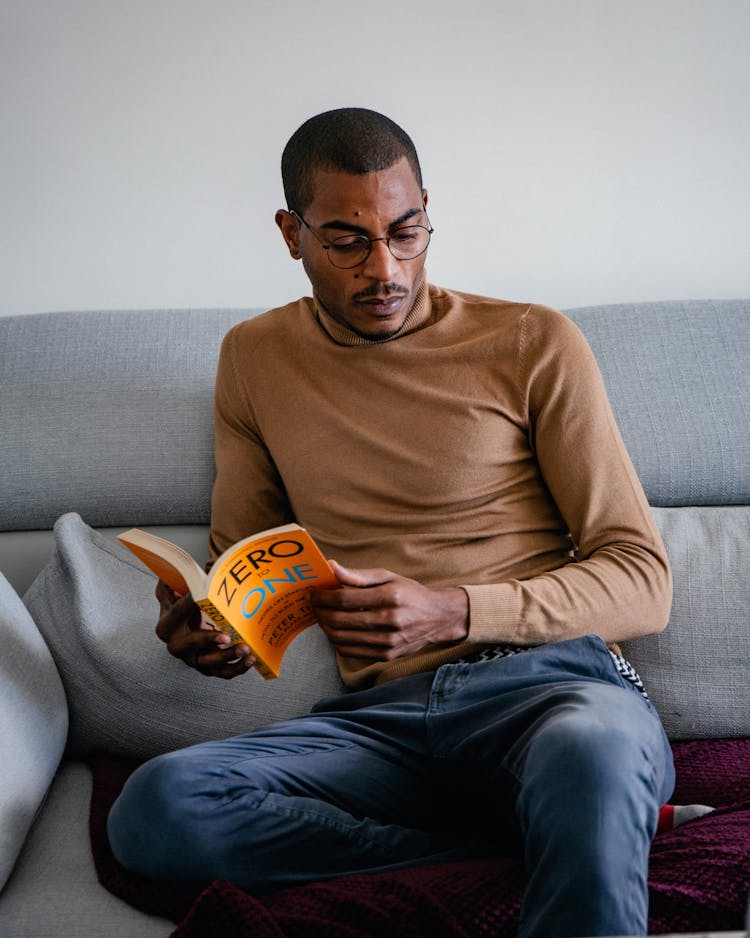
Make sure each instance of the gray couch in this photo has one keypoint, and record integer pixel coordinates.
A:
(106, 423)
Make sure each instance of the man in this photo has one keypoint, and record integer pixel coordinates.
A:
(458, 459)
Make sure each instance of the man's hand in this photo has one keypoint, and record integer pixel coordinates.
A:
(379, 615)
(194, 640)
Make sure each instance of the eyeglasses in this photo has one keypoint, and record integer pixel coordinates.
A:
(405, 244)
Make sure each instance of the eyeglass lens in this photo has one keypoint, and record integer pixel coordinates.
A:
(404, 244)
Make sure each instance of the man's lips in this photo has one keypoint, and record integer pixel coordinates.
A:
(382, 305)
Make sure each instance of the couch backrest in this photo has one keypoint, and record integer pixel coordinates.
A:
(678, 377)
(109, 413)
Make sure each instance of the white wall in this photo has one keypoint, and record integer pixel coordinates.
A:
(576, 151)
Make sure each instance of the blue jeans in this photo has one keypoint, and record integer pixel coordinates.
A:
(550, 754)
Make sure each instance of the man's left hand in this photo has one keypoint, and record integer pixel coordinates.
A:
(379, 615)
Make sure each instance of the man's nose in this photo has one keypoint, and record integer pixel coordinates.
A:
(380, 264)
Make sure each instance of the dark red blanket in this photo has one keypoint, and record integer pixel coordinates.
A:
(699, 875)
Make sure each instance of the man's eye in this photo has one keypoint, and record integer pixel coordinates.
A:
(349, 244)
(404, 235)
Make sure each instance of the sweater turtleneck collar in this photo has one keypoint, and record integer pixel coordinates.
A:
(419, 315)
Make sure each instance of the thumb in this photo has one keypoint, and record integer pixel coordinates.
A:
(344, 575)
(361, 578)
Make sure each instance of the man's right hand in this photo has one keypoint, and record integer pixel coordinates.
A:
(194, 639)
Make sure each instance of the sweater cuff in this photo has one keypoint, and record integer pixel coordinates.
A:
(494, 615)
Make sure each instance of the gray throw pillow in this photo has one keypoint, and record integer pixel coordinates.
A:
(696, 671)
(95, 605)
(33, 724)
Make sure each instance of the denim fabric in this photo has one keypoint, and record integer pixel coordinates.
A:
(551, 753)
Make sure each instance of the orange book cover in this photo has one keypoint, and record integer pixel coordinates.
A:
(258, 591)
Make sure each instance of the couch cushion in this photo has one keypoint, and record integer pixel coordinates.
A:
(678, 379)
(696, 670)
(33, 724)
(85, 397)
(54, 891)
(95, 605)
(113, 413)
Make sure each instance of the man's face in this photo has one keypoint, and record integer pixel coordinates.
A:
(374, 298)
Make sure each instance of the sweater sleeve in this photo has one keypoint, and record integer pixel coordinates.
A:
(618, 584)
(248, 495)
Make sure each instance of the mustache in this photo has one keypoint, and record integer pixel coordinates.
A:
(381, 291)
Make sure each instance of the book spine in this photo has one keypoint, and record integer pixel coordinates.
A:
(221, 622)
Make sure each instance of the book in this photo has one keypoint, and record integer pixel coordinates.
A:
(258, 591)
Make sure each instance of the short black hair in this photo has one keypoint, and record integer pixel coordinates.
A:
(348, 140)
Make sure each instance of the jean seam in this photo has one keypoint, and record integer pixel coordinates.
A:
(262, 800)
(328, 747)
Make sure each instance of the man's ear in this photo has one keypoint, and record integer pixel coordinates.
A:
(424, 198)
(289, 227)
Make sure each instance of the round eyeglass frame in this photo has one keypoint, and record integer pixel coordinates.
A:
(365, 241)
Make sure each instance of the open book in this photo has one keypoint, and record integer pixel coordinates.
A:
(257, 591)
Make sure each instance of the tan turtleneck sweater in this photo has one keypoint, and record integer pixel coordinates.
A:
(475, 448)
